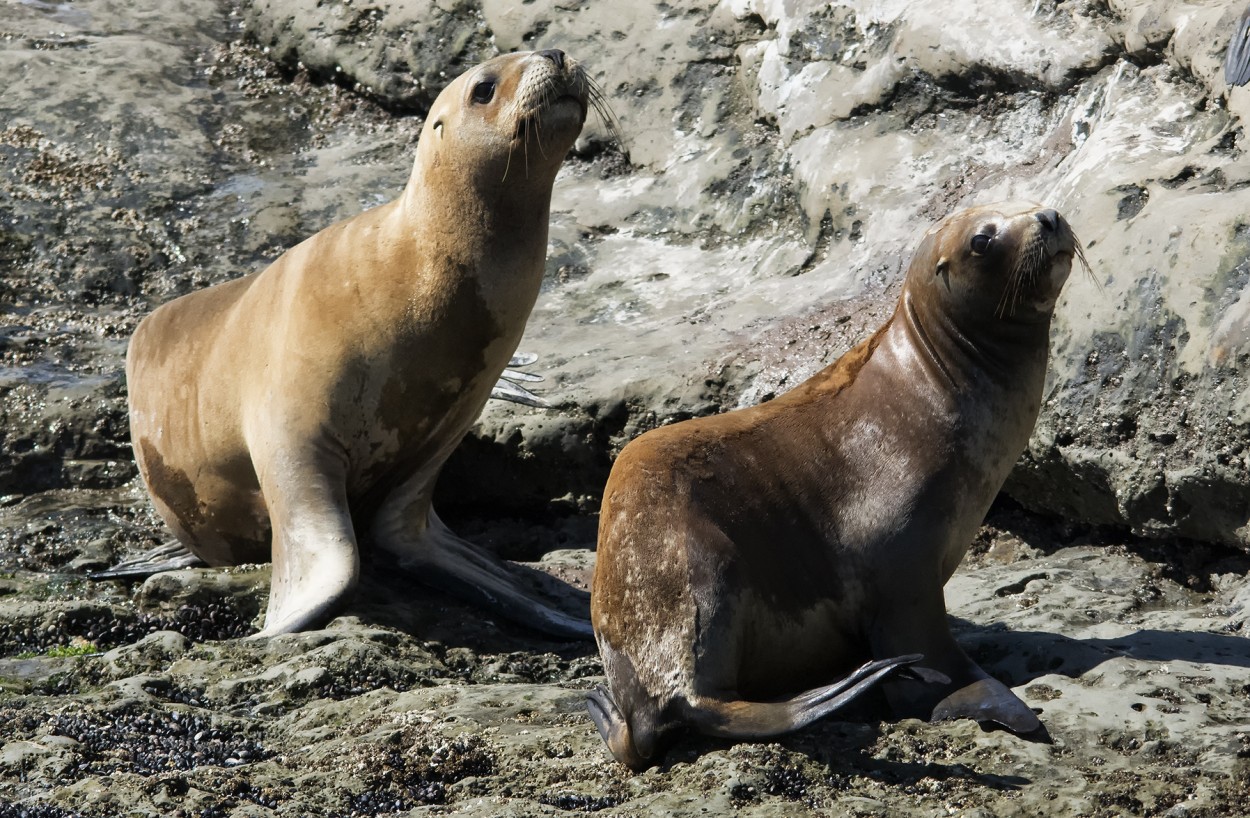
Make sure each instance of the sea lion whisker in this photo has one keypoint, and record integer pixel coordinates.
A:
(525, 153)
(548, 98)
(1000, 311)
(506, 167)
(1007, 301)
(599, 101)
(1079, 252)
(1036, 262)
(1024, 273)
(1018, 279)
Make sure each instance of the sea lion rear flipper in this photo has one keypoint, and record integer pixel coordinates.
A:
(168, 557)
(507, 389)
(988, 700)
(747, 720)
(444, 561)
(504, 389)
(1237, 58)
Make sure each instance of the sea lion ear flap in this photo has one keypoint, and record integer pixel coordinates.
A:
(923, 257)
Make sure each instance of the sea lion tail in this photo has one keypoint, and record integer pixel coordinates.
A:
(751, 720)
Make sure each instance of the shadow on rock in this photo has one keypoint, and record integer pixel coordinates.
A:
(389, 598)
(847, 750)
(1019, 657)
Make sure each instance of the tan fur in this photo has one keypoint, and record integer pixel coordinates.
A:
(333, 384)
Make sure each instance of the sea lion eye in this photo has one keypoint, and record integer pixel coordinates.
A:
(484, 92)
(980, 243)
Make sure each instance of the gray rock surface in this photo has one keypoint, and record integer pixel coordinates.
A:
(771, 140)
(416, 705)
(783, 159)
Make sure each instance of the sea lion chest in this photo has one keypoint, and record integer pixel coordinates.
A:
(389, 344)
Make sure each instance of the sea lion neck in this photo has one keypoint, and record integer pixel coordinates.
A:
(465, 224)
(963, 349)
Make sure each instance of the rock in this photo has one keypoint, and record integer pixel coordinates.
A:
(1118, 118)
(783, 160)
(171, 590)
(783, 157)
(153, 653)
(400, 53)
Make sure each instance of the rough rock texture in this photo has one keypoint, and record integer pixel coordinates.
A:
(420, 706)
(769, 140)
(783, 159)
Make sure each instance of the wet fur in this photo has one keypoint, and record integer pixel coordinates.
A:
(748, 561)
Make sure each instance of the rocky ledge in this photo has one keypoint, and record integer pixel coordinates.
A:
(780, 161)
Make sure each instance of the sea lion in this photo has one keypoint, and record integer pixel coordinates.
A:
(1237, 57)
(288, 412)
(747, 559)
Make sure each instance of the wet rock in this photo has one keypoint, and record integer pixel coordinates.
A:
(780, 161)
(153, 652)
(400, 53)
(1117, 116)
(171, 590)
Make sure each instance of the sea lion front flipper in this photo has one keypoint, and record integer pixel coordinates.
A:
(615, 729)
(167, 557)
(315, 560)
(440, 559)
(988, 700)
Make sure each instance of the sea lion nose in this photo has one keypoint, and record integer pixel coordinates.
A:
(555, 55)
(1049, 219)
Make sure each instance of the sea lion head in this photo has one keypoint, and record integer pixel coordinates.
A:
(509, 120)
(1005, 261)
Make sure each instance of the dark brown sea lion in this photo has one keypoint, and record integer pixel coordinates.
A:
(749, 560)
(291, 411)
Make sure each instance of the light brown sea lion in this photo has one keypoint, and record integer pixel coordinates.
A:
(315, 402)
(746, 561)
